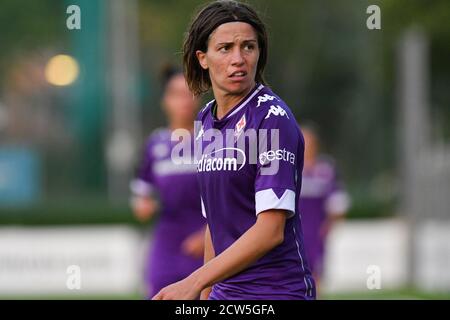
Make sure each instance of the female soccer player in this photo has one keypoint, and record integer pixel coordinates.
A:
(177, 247)
(253, 241)
(323, 200)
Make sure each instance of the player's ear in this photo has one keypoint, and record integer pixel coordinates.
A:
(201, 56)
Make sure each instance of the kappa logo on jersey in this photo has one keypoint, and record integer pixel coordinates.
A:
(265, 98)
(239, 127)
(276, 111)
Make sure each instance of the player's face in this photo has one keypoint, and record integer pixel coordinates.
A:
(178, 100)
(231, 58)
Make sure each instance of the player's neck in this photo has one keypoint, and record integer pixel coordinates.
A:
(226, 101)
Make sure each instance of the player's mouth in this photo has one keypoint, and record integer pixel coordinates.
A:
(238, 75)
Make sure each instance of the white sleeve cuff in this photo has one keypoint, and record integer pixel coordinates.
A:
(203, 208)
(337, 203)
(141, 188)
(267, 199)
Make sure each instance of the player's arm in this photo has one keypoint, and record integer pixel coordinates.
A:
(143, 200)
(263, 236)
(209, 255)
(194, 244)
(336, 207)
(330, 222)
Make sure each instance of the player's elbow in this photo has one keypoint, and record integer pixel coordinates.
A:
(272, 241)
(272, 223)
(278, 238)
(275, 236)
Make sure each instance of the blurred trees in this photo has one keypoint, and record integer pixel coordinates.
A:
(323, 61)
(332, 70)
(27, 25)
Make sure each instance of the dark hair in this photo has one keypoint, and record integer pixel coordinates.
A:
(206, 21)
(167, 72)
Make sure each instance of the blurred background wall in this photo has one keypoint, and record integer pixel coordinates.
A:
(76, 105)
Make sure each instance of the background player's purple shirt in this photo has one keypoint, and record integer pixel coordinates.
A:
(176, 187)
(233, 196)
(322, 194)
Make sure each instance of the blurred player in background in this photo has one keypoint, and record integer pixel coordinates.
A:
(172, 190)
(323, 201)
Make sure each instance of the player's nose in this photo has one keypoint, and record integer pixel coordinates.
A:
(237, 57)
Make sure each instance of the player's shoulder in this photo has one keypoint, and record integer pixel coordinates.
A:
(270, 108)
(158, 143)
(158, 135)
(325, 166)
(205, 111)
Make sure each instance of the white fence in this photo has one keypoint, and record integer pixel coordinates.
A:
(357, 250)
(35, 261)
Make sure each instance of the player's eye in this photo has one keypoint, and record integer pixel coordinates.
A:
(249, 47)
(225, 48)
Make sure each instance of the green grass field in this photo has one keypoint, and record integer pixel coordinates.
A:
(403, 294)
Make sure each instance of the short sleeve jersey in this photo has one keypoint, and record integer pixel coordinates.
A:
(248, 162)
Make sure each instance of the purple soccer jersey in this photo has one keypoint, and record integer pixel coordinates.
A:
(177, 189)
(253, 172)
(321, 195)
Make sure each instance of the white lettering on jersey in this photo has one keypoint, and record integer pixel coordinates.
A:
(269, 156)
(276, 111)
(209, 162)
(265, 98)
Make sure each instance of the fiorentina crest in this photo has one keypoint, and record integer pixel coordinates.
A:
(240, 125)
